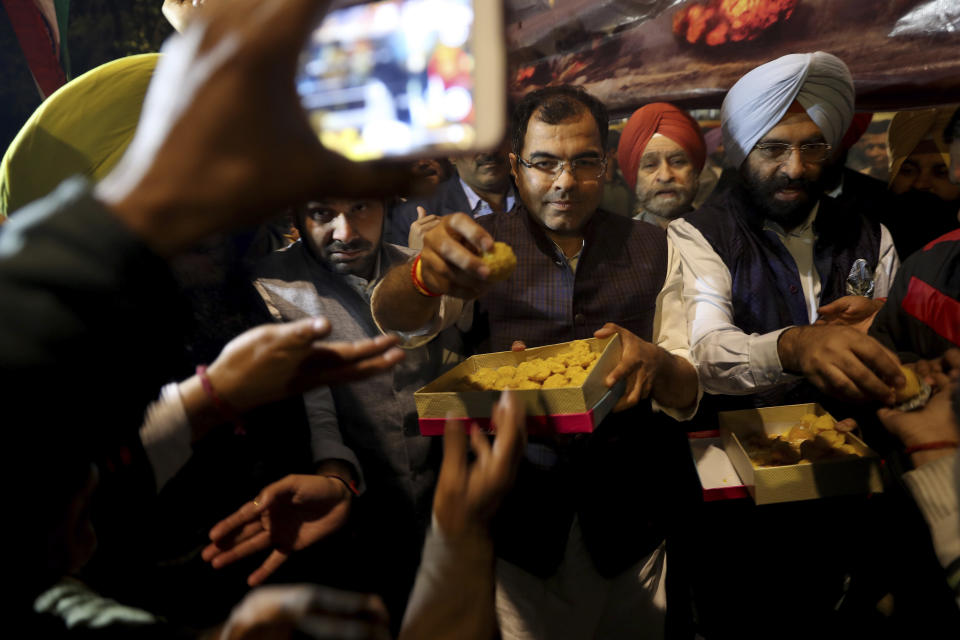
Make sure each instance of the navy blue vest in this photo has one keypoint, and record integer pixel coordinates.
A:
(766, 290)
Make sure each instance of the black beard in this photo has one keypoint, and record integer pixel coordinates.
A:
(787, 214)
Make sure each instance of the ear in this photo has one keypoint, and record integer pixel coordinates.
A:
(514, 167)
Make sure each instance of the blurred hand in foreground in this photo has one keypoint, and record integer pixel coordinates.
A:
(306, 611)
(468, 494)
(223, 140)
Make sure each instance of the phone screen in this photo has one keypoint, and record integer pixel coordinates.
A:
(392, 78)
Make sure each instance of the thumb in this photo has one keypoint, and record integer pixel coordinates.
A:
(421, 212)
(269, 495)
(518, 345)
(886, 413)
(606, 330)
(836, 306)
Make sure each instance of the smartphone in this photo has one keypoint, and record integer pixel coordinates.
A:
(406, 78)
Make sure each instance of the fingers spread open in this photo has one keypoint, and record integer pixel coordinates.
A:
(305, 331)
(248, 547)
(271, 564)
(249, 512)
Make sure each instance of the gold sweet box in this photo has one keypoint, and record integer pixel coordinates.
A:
(577, 407)
(853, 469)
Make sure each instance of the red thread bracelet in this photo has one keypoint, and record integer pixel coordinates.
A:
(221, 406)
(932, 446)
(415, 277)
(347, 483)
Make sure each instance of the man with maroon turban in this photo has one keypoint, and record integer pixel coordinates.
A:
(661, 154)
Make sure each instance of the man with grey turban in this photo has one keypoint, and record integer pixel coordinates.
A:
(770, 270)
(771, 256)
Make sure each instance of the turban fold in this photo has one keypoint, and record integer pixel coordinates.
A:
(910, 128)
(858, 127)
(819, 82)
(667, 120)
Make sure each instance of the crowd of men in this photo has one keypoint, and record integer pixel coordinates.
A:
(213, 413)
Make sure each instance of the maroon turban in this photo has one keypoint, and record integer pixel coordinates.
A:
(858, 126)
(667, 120)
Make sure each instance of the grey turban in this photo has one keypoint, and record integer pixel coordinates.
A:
(819, 81)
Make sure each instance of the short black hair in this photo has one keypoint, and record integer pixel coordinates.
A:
(554, 105)
(878, 126)
(952, 130)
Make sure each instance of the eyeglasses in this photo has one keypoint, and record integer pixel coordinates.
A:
(588, 168)
(813, 153)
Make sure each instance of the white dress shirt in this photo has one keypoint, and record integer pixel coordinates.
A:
(730, 361)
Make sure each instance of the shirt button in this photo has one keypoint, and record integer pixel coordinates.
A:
(580, 318)
(793, 288)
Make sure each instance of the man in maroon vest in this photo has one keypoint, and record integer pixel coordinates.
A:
(574, 560)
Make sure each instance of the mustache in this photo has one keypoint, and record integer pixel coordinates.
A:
(781, 181)
(355, 245)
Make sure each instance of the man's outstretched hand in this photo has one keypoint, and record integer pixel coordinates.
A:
(842, 362)
(468, 494)
(287, 516)
(853, 311)
(273, 361)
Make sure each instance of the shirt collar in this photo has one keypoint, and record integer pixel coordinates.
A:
(478, 205)
(361, 285)
(837, 191)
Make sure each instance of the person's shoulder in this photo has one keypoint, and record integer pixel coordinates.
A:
(282, 264)
(622, 225)
(648, 240)
(939, 255)
(861, 184)
(947, 242)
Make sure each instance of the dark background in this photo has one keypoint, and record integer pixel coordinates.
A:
(99, 31)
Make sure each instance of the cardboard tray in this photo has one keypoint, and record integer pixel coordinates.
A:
(789, 483)
(718, 478)
(568, 410)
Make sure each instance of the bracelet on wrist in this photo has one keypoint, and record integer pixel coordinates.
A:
(224, 409)
(416, 276)
(349, 484)
(932, 446)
